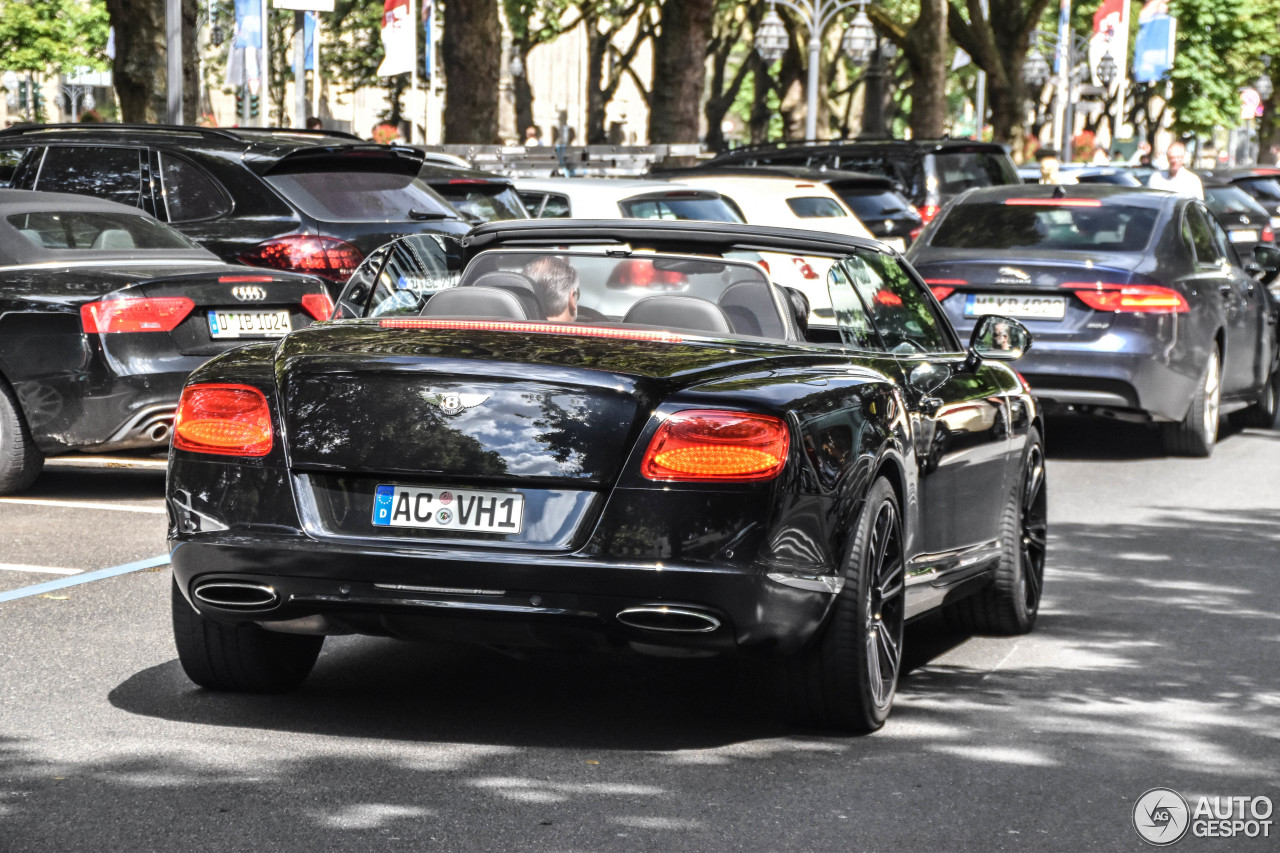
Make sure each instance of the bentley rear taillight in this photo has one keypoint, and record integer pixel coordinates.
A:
(158, 314)
(327, 257)
(228, 420)
(716, 446)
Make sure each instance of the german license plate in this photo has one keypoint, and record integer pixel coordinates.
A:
(249, 324)
(1239, 236)
(1036, 307)
(437, 508)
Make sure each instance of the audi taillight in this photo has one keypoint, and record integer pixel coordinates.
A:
(229, 420)
(327, 257)
(149, 314)
(318, 305)
(717, 446)
(1129, 298)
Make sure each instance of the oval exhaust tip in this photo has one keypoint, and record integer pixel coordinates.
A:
(680, 620)
(238, 596)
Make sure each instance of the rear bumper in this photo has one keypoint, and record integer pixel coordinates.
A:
(1133, 381)
(297, 584)
(69, 412)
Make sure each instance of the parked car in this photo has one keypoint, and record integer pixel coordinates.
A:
(783, 202)
(932, 172)
(1246, 222)
(627, 198)
(310, 201)
(104, 312)
(1139, 306)
(876, 200)
(1085, 173)
(478, 195)
(680, 471)
(1261, 182)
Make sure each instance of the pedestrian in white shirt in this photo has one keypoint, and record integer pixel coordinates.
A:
(1177, 178)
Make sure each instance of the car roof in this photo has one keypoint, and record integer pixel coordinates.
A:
(1132, 196)
(843, 177)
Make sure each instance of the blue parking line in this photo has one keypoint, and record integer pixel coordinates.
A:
(51, 586)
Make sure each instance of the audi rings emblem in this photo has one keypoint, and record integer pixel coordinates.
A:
(249, 292)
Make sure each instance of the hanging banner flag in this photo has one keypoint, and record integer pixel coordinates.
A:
(248, 24)
(1153, 46)
(309, 45)
(1110, 36)
(242, 53)
(399, 39)
(428, 36)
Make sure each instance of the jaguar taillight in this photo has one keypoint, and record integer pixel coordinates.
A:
(148, 314)
(1129, 298)
(327, 257)
(702, 445)
(228, 420)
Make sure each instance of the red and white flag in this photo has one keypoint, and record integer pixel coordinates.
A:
(399, 38)
(1110, 36)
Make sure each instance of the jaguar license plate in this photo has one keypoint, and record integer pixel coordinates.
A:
(249, 324)
(437, 508)
(1036, 307)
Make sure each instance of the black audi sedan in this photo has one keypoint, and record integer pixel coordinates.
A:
(103, 314)
(615, 435)
(310, 201)
(1246, 221)
(1138, 302)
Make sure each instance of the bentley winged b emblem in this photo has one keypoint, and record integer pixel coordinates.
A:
(451, 402)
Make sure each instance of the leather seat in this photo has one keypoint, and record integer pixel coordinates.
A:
(679, 312)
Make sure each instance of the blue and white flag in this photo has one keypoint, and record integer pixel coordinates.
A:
(1153, 46)
(428, 34)
(310, 46)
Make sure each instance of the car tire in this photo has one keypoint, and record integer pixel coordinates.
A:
(20, 460)
(1011, 603)
(846, 678)
(242, 658)
(1262, 414)
(1196, 434)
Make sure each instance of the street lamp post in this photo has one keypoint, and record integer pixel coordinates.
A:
(1036, 72)
(771, 41)
(864, 47)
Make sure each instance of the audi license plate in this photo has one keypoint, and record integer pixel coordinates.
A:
(438, 508)
(1242, 236)
(1036, 307)
(249, 324)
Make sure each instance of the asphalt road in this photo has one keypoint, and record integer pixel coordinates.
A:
(1154, 664)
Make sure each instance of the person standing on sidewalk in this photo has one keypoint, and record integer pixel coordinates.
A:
(1177, 177)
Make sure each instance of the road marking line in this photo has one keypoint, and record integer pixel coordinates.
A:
(44, 570)
(151, 510)
(86, 577)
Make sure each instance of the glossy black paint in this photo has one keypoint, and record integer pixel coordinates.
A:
(109, 391)
(237, 165)
(566, 421)
(1139, 365)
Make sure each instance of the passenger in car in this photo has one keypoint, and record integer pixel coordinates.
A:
(556, 282)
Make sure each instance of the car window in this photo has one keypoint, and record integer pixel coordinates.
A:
(874, 205)
(485, 202)
(9, 160)
(188, 193)
(360, 196)
(416, 268)
(903, 169)
(898, 310)
(1045, 224)
(855, 326)
(676, 205)
(1267, 189)
(1209, 252)
(97, 230)
(815, 207)
(958, 171)
(1225, 201)
(106, 172)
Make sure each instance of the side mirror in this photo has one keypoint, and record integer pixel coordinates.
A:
(997, 338)
(1267, 260)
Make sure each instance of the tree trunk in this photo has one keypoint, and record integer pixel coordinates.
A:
(679, 70)
(140, 69)
(471, 47)
(928, 60)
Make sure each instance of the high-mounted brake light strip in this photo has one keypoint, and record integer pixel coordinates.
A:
(536, 328)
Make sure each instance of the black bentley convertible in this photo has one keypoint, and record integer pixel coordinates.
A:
(618, 435)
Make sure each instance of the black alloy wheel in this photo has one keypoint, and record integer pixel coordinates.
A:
(1011, 603)
(847, 677)
(20, 460)
(241, 658)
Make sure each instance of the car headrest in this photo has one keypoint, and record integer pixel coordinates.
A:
(516, 283)
(478, 302)
(750, 307)
(113, 238)
(679, 312)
